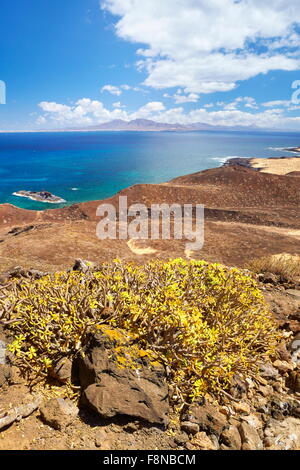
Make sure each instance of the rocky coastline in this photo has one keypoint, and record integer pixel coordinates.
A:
(294, 150)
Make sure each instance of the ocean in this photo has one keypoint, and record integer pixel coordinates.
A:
(85, 166)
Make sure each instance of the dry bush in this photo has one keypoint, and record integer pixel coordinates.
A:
(205, 321)
(287, 266)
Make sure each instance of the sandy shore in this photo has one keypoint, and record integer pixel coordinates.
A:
(276, 166)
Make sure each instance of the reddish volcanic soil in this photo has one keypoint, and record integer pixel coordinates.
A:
(248, 214)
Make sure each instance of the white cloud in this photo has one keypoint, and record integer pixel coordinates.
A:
(132, 88)
(113, 90)
(148, 111)
(53, 107)
(90, 112)
(181, 97)
(203, 46)
(84, 112)
(246, 101)
(271, 104)
(119, 105)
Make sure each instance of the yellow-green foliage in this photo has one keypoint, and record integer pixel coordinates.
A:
(205, 321)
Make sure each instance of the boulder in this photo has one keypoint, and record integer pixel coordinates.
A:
(119, 379)
(59, 413)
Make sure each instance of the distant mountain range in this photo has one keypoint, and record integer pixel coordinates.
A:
(146, 125)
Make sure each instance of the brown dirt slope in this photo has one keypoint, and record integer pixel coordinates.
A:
(247, 214)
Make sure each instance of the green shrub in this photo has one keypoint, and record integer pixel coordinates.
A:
(205, 321)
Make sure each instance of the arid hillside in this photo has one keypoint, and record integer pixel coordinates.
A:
(248, 214)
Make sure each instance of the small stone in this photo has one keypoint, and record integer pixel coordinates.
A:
(208, 418)
(253, 421)
(277, 415)
(268, 278)
(278, 387)
(100, 437)
(261, 380)
(63, 371)
(181, 438)
(98, 442)
(267, 371)
(268, 442)
(250, 383)
(83, 265)
(296, 412)
(201, 441)
(238, 387)
(2, 352)
(59, 413)
(283, 366)
(293, 381)
(190, 428)
(5, 374)
(231, 438)
(268, 432)
(241, 407)
(189, 446)
(131, 427)
(266, 391)
(225, 410)
(261, 404)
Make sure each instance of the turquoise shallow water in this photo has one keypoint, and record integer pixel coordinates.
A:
(84, 166)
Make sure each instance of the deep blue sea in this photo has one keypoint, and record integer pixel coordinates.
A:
(84, 166)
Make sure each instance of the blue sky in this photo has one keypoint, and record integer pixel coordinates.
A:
(75, 63)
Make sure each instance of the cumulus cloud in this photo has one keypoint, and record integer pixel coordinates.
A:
(119, 105)
(91, 112)
(204, 47)
(246, 101)
(113, 90)
(180, 97)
